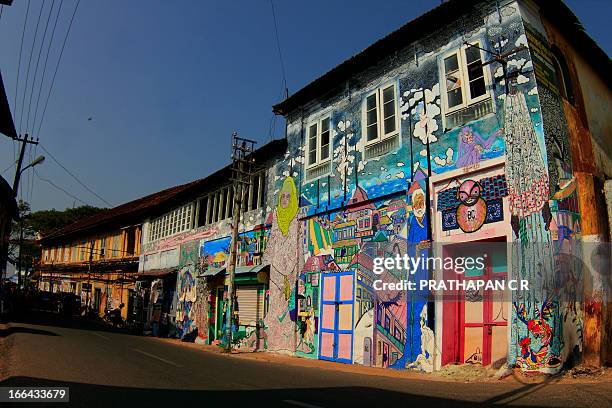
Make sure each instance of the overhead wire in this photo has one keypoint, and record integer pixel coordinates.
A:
(73, 176)
(25, 89)
(25, 20)
(29, 176)
(42, 118)
(284, 89)
(42, 44)
(42, 81)
(46, 180)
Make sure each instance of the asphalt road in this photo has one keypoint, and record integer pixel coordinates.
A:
(104, 367)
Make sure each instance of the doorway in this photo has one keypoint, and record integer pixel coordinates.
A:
(475, 321)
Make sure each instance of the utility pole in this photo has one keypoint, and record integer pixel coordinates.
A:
(24, 141)
(91, 246)
(242, 160)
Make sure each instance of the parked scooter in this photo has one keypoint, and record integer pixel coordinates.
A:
(113, 317)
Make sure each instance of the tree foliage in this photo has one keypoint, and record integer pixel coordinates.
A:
(37, 224)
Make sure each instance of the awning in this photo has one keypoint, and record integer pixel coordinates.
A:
(240, 270)
(155, 272)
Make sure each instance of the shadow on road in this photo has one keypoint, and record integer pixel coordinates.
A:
(76, 322)
(91, 395)
(13, 330)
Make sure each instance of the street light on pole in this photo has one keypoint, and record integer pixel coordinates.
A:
(36, 161)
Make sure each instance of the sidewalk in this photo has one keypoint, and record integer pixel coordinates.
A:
(455, 373)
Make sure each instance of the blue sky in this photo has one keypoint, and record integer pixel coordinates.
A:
(166, 82)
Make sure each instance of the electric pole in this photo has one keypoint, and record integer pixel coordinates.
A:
(18, 172)
(91, 246)
(242, 160)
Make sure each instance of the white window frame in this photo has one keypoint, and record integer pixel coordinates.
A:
(380, 131)
(466, 98)
(318, 161)
(174, 222)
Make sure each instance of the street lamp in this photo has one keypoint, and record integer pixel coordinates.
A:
(18, 173)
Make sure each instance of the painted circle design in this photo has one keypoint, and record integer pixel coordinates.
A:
(471, 217)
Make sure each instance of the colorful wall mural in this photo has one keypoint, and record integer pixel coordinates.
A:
(347, 217)
(186, 282)
(285, 261)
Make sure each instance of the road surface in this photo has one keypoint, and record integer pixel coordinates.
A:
(104, 367)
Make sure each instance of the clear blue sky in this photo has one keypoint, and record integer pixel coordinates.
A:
(166, 82)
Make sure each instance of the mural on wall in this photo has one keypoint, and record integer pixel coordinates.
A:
(347, 224)
(472, 203)
(569, 268)
(285, 261)
(308, 311)
(186, 289)
(528, 192)
(388, 325)
(251, 246)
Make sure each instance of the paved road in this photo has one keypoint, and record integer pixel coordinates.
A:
(103, 367)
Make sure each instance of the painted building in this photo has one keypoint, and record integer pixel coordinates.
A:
(435, 142)
(190, 262)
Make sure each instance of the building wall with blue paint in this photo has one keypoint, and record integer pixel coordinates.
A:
(439, 106)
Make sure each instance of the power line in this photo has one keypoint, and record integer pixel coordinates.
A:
(42, 81)
(42, 44)
(14, 163)
(28, 70)
(42, 118)
(280, 54)
(73, 176)
(59, 188)
(25, 20)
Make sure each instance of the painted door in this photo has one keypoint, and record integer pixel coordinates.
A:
(476, 325)
(336, 338)
(367, 351)
(220, 314)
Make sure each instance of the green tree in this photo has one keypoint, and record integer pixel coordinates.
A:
(38, 224)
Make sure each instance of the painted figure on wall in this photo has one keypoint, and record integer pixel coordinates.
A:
(284, 255)
(535, 344)
(471, 145)
(417, 232)
(287, 205)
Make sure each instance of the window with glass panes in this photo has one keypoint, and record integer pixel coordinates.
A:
(319, 141)
(380, 113)
(464, 77)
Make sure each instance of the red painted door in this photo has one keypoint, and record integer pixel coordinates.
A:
(475, 323)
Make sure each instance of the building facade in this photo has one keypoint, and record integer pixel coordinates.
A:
(95, 259)
(441, 142)
(465, 132)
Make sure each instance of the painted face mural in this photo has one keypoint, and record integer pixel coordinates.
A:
(287, 205)
(418, 204)
(472, 212)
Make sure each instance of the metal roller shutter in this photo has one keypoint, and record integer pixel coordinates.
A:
(250, 304)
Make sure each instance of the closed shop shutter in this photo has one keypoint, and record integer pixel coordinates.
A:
(250, 304)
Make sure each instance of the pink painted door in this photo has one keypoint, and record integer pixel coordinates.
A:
(337, 301)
